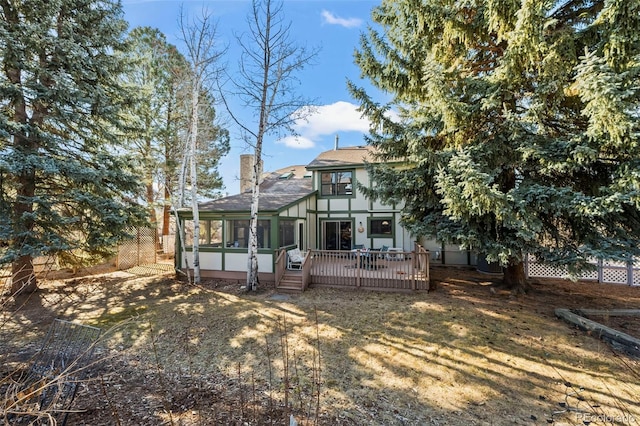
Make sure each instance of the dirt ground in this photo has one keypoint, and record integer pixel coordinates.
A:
(465, 354)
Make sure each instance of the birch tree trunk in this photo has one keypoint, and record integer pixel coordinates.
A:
(266, 83)
(200, 39)
(193, 137)
(252, 256)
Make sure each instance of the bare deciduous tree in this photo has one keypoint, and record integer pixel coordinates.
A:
(200, 39)
(265, 84)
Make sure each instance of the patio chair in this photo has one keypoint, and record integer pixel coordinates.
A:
(372, 258)
(383, 252)
(294, 259)
(357, 252)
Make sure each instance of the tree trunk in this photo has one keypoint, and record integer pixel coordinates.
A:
(166, 210)
(194, 179)
(150, 200)
(514, 277)
(252, 258)
(23, 278)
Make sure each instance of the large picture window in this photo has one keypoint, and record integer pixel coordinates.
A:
(336, 183)
(237, 233)
(381, 227)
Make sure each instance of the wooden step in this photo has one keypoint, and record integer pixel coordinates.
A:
(290, 282)
(289, 289)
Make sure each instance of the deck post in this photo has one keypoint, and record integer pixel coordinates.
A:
(358, 269)
(414, 283)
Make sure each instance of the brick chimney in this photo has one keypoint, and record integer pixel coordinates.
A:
(246, 171)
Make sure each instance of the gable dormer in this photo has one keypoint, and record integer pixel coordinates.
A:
(337, 172)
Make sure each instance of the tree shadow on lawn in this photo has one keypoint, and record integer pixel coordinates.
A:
(460, 355)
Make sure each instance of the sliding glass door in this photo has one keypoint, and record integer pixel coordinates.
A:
(336, 234)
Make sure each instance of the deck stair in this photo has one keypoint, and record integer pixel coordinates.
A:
(291, 282)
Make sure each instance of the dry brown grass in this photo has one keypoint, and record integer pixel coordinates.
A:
(458, 356)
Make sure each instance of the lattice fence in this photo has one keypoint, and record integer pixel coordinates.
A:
(140, 250)
(607, 271)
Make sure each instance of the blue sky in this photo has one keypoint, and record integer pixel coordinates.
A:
(334, 27)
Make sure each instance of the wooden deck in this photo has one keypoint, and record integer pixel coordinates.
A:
(372, 270)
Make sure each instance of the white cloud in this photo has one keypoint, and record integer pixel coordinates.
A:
(336, 117)
(326, 120)
(331, 19)
(299, 142)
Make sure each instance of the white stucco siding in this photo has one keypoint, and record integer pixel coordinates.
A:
(362, 177)
(238, 262)
(404, 240)
(233, 261)
(341, 204)
(207, 260)
(297, 211)
(452, 254)
(379, 242)
(303, 208)
(358, 204)
(312, 235)
(456, 257)
(323, 205)
(379, 207)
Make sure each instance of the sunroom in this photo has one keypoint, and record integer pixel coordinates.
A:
(286, 210)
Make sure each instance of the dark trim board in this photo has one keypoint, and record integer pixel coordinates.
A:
(617, 339)
(265, 278)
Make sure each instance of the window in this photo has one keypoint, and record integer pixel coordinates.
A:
(287, 233)
(188, 226)
(237, 232)
(214, 233)
(210, 233)
(336, 183)
(381, 226)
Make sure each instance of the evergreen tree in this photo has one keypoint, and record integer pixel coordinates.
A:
(159, 121)
(151, 76)
(519, 120)
(63, 185)
(212, 145)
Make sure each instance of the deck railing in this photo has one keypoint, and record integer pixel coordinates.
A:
(422, 261)
(281, 263)
(306, 271)
(371, 269)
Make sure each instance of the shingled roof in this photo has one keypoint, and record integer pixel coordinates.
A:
(290, 184)
(347, 156)
(278, 189)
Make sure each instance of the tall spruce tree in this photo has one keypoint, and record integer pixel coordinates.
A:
(159, 122)
(151, 75)
(519, 120)
(63, 185)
